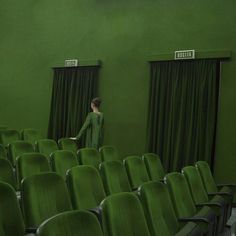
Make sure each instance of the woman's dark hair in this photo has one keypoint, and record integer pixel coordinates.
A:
(97, 102)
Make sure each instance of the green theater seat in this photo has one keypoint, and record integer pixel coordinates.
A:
(7, 173)
(8, 136)
(67, 144)
(114, 177)
(160, 214)
(200, 196)
(154, 166)
(109, 153)
(122, 215)
(62, 161)
(3, 152)
(11, 220)
(29, 164)
(90, 157)
(85, 187)
(212, 189)
(136, 171)
(71, 223)
(184, 204)
(43, 196)
(46, 146)
(18, 148)
(31, 135)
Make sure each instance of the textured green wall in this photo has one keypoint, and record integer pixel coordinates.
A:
(36, 35)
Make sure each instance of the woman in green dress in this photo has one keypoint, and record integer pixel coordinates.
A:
(93, 126)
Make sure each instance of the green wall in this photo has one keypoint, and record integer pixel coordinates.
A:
(36, 35)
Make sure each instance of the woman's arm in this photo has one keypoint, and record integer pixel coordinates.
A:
(84, 127)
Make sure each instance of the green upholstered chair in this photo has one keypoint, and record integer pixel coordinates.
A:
(160, 213)
(184, 204)
(154, 166)
(3, 152)
(18, 148)
(31, 135)
(11, 220)
(136, 171)
(114, 177)
(46, 146)
(122, 214)
(109, 153)
(71, 223)
(3, 127)
(90, 157)
(225, 191)
(8, 136)
(85, 187)
(7, 173)
(29, 164)
(43, 196)
(62, 161)
(200, 196)
(67, 144)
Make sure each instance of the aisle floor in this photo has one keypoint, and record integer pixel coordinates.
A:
(232, 223)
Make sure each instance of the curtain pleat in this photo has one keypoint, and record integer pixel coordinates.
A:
(73, 90)
(182, 111)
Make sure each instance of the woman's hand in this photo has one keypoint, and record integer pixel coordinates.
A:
(73, 138)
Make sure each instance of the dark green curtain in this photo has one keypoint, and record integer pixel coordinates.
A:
(73, 90)
(182, 111)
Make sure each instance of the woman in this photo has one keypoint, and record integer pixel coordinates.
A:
(93, 125)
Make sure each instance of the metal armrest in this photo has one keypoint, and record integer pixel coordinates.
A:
(97, 211)
(209, 204)
(31, 230)
(220, 193)
(194, 219)
(227, 185)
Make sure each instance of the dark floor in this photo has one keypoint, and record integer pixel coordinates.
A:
(232, 222)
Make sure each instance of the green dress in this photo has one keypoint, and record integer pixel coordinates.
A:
(93, 126)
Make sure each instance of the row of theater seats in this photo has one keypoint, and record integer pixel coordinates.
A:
(183, 198)
(187, 203)
(12, 146)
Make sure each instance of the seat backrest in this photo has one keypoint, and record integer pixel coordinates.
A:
(90, 157)
(43, 196)
(3, 152)
(8, 136)
(136, 171)
(67, 144)
(158, 208)
(122, 214)
(114, 177)
(109, 153)
(71, 223)
(85, 187)
(18, 148)
(207, 177)
(7, 173)
(29, 164)
(195, 184)
(46, 146)
(62, 161)
(31, 135)
(180, 195)
(154, 166)
(11, 220)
